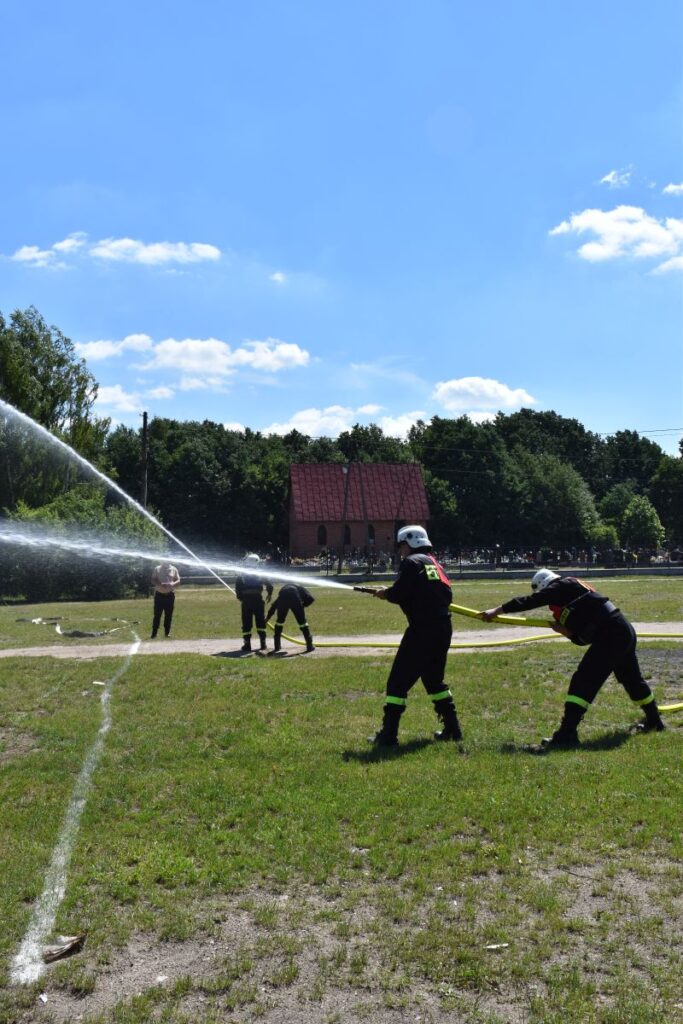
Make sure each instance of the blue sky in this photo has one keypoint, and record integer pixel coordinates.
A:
(308, 215)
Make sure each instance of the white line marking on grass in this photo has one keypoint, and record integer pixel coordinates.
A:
(28, 965)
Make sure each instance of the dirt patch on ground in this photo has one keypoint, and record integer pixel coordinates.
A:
(15, 744)
(325, 646)
(299, 956)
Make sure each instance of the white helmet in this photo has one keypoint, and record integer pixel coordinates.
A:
(252, 559)
(542, 578)
(414, 537)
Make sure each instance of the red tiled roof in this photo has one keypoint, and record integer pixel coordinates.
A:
(376, 491)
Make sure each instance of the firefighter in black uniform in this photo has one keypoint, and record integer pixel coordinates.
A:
(423, 592)
(587, 618)
(291, 598)
(249, 591)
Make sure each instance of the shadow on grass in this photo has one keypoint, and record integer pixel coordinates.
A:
(374, 754)
(233, 654)
(610, 741)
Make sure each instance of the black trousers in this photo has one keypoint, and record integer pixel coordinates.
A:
(253, 611)
(290, 602)
(422, 654)
(163, 605)
(612, 650)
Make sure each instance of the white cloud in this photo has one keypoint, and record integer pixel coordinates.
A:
(481, 417)
(130, 250)
(675, 263)
(207, 383)
(471, 395)
(370, 410)
(191, 355)
(622, 232)
(617, 179)
(120, 250)
(673, 190)
(118, 399)
(72, 243)
(398, 426)
(32, 256)
(239, 427)
(335, 419)
(270, 355)
(328, 422)
(99, 350)
(161, 392)
(278, 277)
(211, 358)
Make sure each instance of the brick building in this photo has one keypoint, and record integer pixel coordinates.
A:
(356, 506)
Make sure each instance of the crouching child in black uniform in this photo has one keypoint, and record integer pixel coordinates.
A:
(291, 598)
(249, 591)
(423, 592)
(589, 619)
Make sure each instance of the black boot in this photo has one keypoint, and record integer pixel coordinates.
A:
(246, 646)
(387, 736)
(653, 720)
(445, 709)
(561, 740)
(262, 638)
(308, 638)
(566, 737)
(277, 643)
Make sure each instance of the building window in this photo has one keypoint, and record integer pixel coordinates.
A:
(347, 533)
(371, 533)
(322, 535)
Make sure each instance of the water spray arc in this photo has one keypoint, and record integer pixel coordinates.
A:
(10, 412)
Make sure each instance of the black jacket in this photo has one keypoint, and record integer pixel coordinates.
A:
(574, 604)
(283, 601)
(421, 590)
(252, 586)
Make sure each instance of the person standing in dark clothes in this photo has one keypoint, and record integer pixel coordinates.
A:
(423, 592)
(249, 590)
(587, 618)
(295, 599)
(165, 579)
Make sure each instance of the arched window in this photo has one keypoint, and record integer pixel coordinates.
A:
(322, 535)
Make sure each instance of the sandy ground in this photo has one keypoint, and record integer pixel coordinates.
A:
(326, 646)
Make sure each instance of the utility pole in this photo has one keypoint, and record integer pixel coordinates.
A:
(144, 460)
(347, 474)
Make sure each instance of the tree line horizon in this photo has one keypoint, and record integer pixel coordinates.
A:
(524, 481)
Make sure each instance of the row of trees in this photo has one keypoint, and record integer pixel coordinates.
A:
(524, 481)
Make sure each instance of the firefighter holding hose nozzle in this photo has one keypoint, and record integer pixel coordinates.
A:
(589, 619)
(423, 592)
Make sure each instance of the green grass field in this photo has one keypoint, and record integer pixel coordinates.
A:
(243, 854)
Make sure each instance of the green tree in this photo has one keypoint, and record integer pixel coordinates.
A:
(641, 526)
(369, 444)
(41, 377)
(558, 509)
(603, 537)
(443, 506)
(547, 433)
(631, 458)
(473, 461)
(615, 502)
(84, 516)
(666, 494)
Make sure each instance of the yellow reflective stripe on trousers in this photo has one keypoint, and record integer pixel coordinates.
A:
(441, 695)
(401, 701)
(570, 699)
(645, 700)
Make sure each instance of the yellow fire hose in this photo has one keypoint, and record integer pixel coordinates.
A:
(508, 620)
